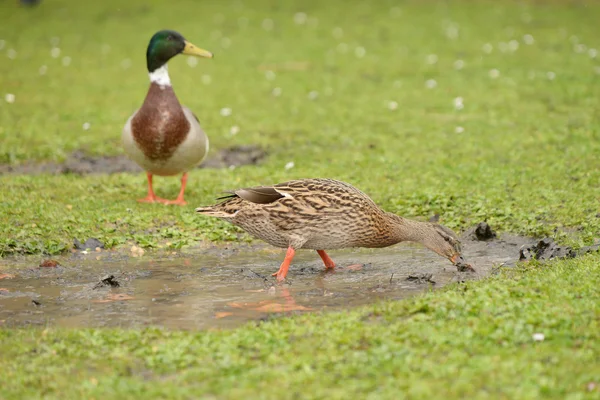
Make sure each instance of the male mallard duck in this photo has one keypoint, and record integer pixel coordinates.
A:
(322, 214)
(163, 137)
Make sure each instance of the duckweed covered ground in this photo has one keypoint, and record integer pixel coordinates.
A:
(475, 110)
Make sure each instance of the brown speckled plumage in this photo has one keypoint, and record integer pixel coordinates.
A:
(325, 214)
(160, 125)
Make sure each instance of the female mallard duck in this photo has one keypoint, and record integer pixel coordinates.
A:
(323, 214)
(163, 137)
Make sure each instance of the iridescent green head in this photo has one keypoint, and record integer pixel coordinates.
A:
(165, 45)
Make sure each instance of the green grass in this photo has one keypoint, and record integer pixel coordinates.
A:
(527, 160)
(473, 340)
(522, 154)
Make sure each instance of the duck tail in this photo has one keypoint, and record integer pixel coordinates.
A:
(213, 211)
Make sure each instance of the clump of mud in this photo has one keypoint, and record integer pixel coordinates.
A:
(90, 244)
(547, 249)
(49, 263)
(107, 280)
(529, 248)
(482, 231)
(235, 156)
(421, 278)
(82, 164)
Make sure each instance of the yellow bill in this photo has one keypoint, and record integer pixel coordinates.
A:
(192, 50)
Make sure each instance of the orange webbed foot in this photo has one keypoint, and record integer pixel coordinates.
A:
(280, 277)
(285, 265)
(329, 264)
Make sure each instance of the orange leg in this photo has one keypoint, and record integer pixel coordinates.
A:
(285, 265)
(180, 201)
(151, 198)
(329, 264)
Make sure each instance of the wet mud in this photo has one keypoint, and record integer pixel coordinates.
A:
(82, 164)
(481, 231)
(224, 286)
(547, 249)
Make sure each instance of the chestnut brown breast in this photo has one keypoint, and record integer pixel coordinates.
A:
(160, 125)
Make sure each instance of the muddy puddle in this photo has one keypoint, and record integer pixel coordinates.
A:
(82, 164)
(221, 287)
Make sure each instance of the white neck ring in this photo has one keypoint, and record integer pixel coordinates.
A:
(160, 76)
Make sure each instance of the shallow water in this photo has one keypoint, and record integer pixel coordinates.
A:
(223, 287)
